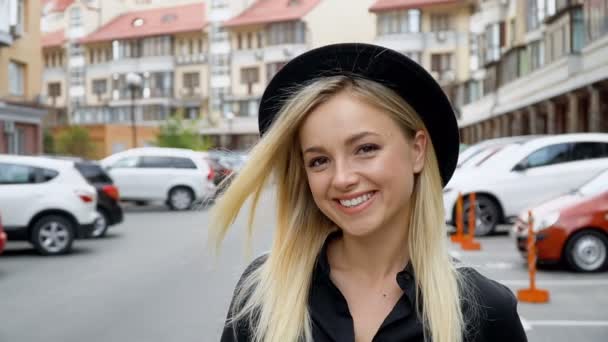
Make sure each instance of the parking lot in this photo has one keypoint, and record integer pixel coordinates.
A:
(153, 279)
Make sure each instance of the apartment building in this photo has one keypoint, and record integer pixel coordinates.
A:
(86, 73)
(538, 66)
(433, 33)
(20, 68)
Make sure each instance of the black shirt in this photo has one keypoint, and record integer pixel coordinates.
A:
(496, 319)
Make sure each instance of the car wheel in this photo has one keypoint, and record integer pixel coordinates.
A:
(180, 198)
(101, 224)
(587, 251)
(487, 215)
(53, 235)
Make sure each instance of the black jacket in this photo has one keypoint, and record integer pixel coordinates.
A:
(496, 319)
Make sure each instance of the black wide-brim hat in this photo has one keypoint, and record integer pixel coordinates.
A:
(385, 66)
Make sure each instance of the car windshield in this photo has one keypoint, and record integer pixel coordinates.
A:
(596, 185)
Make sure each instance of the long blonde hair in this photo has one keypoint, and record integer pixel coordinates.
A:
(273, 299)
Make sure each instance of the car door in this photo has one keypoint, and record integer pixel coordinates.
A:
(18, 191)
(125, 176)
(155, 172)
(544, 174)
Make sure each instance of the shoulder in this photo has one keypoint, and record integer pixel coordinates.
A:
(490, 308)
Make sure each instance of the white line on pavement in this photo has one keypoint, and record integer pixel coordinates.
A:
(566, 323)
(557, 282)
(525, 324)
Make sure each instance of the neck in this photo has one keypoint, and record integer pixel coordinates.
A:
(379, 255)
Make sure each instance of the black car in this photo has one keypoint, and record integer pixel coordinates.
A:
(107, 196)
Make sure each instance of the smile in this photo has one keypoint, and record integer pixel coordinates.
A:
(357, 201)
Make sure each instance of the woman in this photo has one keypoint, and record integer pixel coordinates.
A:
(359, 141)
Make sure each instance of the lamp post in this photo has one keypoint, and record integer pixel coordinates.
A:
(230, 118)
(134, 82)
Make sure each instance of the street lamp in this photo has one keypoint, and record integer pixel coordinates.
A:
(230, 118)
(134, 82)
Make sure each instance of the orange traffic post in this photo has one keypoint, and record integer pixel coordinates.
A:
(469, 243)
(532, 295)
(459, 236)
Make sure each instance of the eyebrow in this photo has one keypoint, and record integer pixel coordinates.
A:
(351, 140)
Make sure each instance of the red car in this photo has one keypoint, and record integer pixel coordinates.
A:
(572, 228)
(2, 237)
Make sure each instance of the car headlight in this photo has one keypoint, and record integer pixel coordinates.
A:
(546, 221)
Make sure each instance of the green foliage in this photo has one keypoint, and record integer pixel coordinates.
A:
(177, 132)
(48, 142)
(75, 141)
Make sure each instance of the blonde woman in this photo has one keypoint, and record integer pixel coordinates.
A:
(358, 141)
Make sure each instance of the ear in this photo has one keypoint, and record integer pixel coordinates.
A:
(419, 150)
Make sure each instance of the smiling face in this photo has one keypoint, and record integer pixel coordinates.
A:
(359, 164)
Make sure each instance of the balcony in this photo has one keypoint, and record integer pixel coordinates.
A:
(422, 40)
(126, 65)
(191, 59)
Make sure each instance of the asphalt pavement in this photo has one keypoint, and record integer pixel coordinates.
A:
(153, 279)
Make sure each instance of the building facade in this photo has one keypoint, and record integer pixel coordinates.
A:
(21, 112)
(541, 68)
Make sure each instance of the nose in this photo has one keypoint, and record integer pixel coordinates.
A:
(345, 177)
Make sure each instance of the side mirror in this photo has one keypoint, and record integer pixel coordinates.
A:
(522, 166)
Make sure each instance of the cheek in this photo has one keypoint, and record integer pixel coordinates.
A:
(317, 186)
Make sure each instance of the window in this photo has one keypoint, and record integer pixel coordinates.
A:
(550, 155)
(100, 86)
(441, 62)
(596, 15)
(183, 163)
(191, 80)
(156, 162)
(589, 150)
(93, 173)
(440, 22)
(54, 89)
(16, 76)
(239, 41)
(17, 174)
(292, 32)
(272, 69)
(75, 17)
(249, 76)
(249, 40)
(396, 22)
(128, 162)
(492, 37)
(578, 30)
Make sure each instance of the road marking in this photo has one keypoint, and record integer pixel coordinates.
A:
(557, 282)
(568, 323)
(525, 324)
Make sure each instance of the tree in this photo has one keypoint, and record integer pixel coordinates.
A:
(178, 133)
(75, 141)
(48, 142)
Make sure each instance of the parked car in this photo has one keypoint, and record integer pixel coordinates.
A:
(46, 202)
(177, 176)
(572, 228)
(524, 174)
(481, 151)
(108, 196)
(2, 236)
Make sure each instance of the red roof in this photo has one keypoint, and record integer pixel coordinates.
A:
(388, 5)
(271, 11)
(57, 5)
(157, 21)
(53, 38)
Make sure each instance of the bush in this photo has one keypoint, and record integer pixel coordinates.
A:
(75, 141)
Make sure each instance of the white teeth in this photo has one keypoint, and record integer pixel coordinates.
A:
(356, 201)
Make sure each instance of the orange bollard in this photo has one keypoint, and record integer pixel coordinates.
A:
(469, 243)
(532, 295)
(459, 236)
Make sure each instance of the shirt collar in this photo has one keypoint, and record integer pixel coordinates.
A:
(405, 278)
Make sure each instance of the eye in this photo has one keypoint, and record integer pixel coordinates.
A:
(368, 148)
(316, 162)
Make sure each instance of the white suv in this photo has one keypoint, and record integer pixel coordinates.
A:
(46, 202)
(526, 173)
(178, 176)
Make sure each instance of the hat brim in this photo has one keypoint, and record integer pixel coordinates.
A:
(385, 66)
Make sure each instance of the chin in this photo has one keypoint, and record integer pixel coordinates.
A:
(359, 229)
